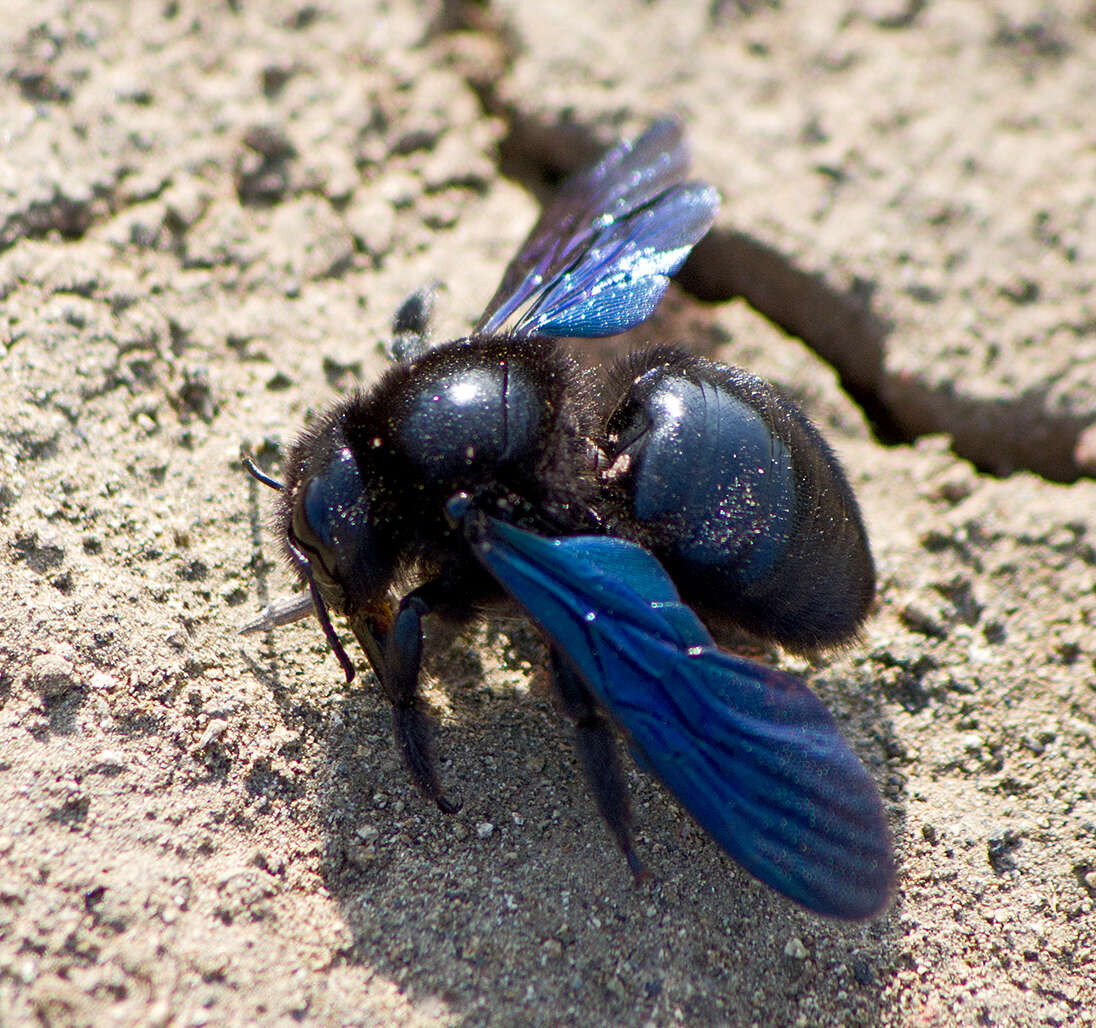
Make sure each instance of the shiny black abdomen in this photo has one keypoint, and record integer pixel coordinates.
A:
(740, 498)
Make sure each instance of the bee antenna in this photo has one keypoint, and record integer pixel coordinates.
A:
(259, 475)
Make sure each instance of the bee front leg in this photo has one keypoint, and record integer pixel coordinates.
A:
(395, 651)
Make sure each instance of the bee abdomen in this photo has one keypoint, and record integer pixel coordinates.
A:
(740, 498)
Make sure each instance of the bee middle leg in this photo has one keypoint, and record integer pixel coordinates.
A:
(596, 742)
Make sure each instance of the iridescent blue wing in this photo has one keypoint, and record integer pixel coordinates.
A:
(599, 258)
(749, 751)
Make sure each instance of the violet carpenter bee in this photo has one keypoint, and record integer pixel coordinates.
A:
(624, 516)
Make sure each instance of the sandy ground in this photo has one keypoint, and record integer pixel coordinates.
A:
(208, 214)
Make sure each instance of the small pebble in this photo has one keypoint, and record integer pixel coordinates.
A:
(616, 987)
(484, 829)
(53, 675)
(795, 949)
(109, 760)
(213, 731)
(103, 682)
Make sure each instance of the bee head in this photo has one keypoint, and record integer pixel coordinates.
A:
(328, 529)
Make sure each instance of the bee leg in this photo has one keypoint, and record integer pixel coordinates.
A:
(396, 655)
(411, 324)
(597, 748)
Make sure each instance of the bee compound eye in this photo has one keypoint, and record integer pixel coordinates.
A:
(304, 531)
(351, 556)
(329, 511)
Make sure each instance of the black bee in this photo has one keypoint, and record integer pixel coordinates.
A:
(491, 469)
